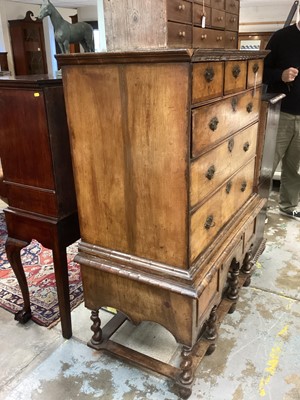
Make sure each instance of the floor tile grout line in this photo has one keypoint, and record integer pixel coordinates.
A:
(275, 293)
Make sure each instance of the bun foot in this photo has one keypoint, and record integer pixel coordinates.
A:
(23, 316)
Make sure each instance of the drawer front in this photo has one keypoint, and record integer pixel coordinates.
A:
(206, 2)
(218, 4)
(207, 296)
(179, 34)
(210, 218)
(217, 18)
(179, 10)
(235, 76)
(232, 6)
(208, 38)
(231, 40)
(214, 167)
(231, 22)
(207, 81)
(216, 121)
(255, 73)
(198, 14)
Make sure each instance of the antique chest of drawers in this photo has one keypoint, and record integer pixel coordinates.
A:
(164, 152)
(171, 23)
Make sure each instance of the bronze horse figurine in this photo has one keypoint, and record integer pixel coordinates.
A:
(66, 33)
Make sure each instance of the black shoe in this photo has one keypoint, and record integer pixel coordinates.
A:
(290, 213)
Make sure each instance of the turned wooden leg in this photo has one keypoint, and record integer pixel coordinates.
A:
(62, 283)
(96, 339)
(13, 249)
(247, 263)
(233, 288)
(211, 332)
(186, 377)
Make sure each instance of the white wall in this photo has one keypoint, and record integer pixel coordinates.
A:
(263, 18)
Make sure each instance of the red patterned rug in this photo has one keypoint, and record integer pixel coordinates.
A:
(38, 265)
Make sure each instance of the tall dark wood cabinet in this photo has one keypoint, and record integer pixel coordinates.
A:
(28, 45)
(164, 147)
(37, 171)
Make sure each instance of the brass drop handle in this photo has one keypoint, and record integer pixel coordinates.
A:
(210, 172)
(243, 186)
(246, 146)
(228, 187)
(255, 68)
(209, 223)
(181, 7)
(249, 107)
(236, 70)
(234, 102)
(230, 145)
(203, 37)
(209, 74)
(213, 124)
(181, 34)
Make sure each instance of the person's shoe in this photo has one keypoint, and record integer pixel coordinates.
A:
(290, 213)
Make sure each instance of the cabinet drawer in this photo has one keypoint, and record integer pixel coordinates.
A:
(207, 296)
(207, 81)
(198, 14)
(179, 10)
(255, 73)
(216, 121)
(213, 168)
(235, 76)
(232, 6)
(210, 218)
(179, 35)
(208, 38)
(231, 40)
(218, 4)
(217, 18)
(231, 22)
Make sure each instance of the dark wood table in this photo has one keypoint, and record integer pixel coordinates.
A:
(37, 173)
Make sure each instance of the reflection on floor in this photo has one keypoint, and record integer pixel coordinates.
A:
(257, 354)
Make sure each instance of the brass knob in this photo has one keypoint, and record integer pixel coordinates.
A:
(209, 222)
(246, 146)
(203, 37)
(209, 74)
(219, 38)
(249, 107)
(181, 34)
(181, 7)
(236, 70)
(210, 172)
(243, 186)
(220, 18)
(232, 19)
(213, 123)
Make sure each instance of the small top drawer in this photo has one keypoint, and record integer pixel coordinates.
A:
(235, 76)
(198, 14)
(231, 22)
(179, 11)
(232, 6)
(255, 73)
(179, 35)
(217, 18)
(207, 81)
(218, 4)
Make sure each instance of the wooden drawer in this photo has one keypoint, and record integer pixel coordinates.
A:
(217, 18)
(206, 2)
(232, 6)
(255, 73)
(207, 81)
(198, 14)
(231, 40)
(212, 169)
(211, 217)
(179, 10)
(179, 35)
(214, 122)
(208, 38)
(231, 22)
(218, 4)
(235, 76)
(207, 296)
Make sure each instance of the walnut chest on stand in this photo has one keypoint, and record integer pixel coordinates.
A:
(164, 153)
